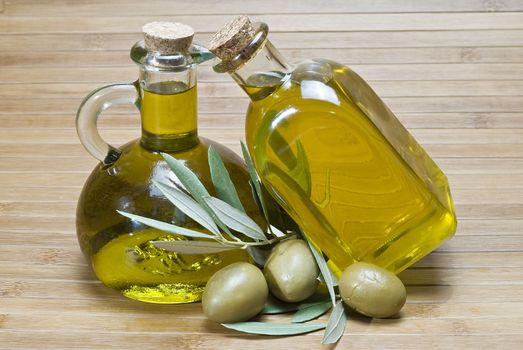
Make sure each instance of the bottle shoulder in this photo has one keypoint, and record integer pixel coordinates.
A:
(317, 86)
(137, 163)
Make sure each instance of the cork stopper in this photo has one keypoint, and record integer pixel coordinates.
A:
(232, 38)
(167, 37)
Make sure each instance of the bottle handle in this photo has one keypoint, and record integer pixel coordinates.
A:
(87, 117)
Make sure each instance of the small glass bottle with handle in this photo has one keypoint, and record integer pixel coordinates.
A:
(120, 249)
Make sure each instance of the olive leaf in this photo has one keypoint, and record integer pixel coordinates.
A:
(188, 206)
(222, 181)
(254, 179)
(335, 281)
(259, 255)
(256, 198)
(192, 247)
(324, 269)
(335, 325)
(234, 218)
(307, 312)
(188, 179)
(274, 212)
(275, 306)
(274, 328)
(301, 172)
(193, 185)
(276, 232)
(163, 226)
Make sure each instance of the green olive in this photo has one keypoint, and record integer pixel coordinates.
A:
(235, 293)
(291, 271)
(372, 290)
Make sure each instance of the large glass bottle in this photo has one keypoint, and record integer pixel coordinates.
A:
(334, 156)
(119, 249)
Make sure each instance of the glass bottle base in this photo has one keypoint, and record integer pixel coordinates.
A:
(136, 268)
(120, 251)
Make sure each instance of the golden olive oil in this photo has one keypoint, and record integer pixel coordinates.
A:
(154, 274)
(340, 163)
(176, 102)
(119, 249)
(169, 99)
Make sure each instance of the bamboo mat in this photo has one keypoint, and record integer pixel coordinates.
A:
(451, 70)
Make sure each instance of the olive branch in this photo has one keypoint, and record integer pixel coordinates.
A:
(223, 217)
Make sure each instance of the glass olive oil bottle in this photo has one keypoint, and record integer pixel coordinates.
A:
(334, 156)
(119, 249)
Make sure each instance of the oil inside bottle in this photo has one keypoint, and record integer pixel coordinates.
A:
(341, 164)
(169, 98)
(120, 250)
(153, 274)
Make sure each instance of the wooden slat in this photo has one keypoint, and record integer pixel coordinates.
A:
(13, 225)
(72, 150)
(68, 153)
(278, 22)
(465, 71)
(475, 227)
(66, 194)
(506, 104)
(209, 340)
(417, 294)
(50, 253)
(78, 161)
(74, 180)
(91, 290)
(54, 239)
(484, 243)
(460, 150)
(325, 41)
(141, 324)
(486, 227)
(482, 209)
(60, 232)
(231, 7)
(440, 137)
(471, 259)
(416, 88)
(474, 150)
(415, 276)
(344, 56)
(121, 308)
(437, 120)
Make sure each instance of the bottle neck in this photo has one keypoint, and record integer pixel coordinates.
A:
(264, 71)
(168, 107)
